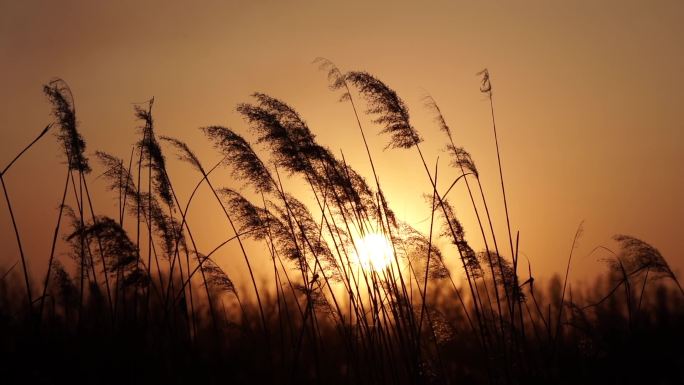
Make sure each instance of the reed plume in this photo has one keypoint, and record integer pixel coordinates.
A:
(239, 155)
(150, 149)
(392, 113)
(453, 230)
(64, 111)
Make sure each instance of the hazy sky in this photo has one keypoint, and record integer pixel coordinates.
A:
(588, 98)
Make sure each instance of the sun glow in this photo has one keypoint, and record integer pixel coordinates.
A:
(374, 252)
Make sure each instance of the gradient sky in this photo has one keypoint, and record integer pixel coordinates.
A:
(588, 99)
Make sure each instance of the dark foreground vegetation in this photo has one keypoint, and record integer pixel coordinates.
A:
(135, 300)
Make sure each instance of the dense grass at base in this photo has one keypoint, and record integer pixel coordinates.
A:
(609, 352)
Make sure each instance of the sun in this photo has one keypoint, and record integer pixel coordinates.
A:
(374, 252)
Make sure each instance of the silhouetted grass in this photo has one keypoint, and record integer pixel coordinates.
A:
(141, 302)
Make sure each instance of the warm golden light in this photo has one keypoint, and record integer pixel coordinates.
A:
(374, 252)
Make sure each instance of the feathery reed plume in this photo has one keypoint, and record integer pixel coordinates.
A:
(503, 272)
(136, 278)
(453, 230)
(253, 220)
(354, 185)
(167, 228)
(389, 214)
(216, 277)
(336, 79)
(636, 256)
(184, 153)
(64, 111)
(149, 147)
(120, 179)
(239, 155)
(416, 247)
(115, 172)
(120, 254)
(114, 243)
(283, 130)
(318, 300)
(485, 84)
(285, 240)
(260, 224)
(392, 111)
(310, 235)
(460, 158)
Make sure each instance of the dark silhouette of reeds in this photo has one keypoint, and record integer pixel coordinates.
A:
(144, 303)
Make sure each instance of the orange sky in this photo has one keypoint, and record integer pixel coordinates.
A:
(588, 99)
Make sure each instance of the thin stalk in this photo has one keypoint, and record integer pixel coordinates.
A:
(52, 248)
(244, 254)
(184, 214)
(29, 298)
(473, 290)
(79, 203)
(498, 158)
(567, 273)
(194, 246)
(150, 220)
(423, 308)
(42, 133)
(643, 288)
(99, 241)
(14, 223)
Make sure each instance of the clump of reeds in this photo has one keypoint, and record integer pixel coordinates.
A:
(140, 284)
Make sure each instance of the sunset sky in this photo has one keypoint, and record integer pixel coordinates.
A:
(588, 99)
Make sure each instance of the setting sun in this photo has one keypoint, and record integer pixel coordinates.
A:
(374, 251)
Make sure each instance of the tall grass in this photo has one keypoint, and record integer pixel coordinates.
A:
(145, 296)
